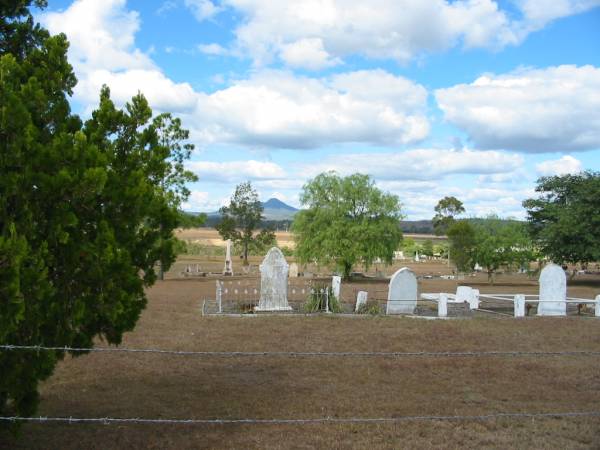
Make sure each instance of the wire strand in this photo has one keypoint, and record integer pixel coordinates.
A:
(303, 354)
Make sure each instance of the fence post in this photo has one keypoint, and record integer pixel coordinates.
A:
(597, 309)
(327, 300)
(219, 295)
(519, 305)
(443, 305)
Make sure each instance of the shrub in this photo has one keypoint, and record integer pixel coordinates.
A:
(317, 300)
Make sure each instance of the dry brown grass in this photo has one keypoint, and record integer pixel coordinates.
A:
(155, 386)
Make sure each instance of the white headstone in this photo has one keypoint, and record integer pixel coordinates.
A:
(553, 291)
(443, 305)
(273, 282)
(519, 305)
(417, 256)
(597, 307)
(336, 286)
(293, 273)
(478, 268)
(361, 299)
(402, 292)
(228, 269)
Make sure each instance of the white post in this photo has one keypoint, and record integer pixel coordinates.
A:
(597, 309)
(519, 303)
(219, 295)
(443, 306)
(474, 299)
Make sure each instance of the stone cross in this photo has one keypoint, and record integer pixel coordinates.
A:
(553, 291)
(228, 269)
(336, 286)
(361, 299)
(402, 292)
(273, 282)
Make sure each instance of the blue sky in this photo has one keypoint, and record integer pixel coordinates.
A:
(471, 98)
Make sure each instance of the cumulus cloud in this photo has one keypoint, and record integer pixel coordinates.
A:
(203, 201)
(563, 166)
(213, 49)
(236, 171)
(318, 33)
(102, 51)
(419, 164)
(277, 109)
(529, 110)
(202, 9)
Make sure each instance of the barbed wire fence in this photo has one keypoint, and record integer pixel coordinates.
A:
(303, 421)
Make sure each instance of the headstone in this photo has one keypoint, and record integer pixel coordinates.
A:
(361, 299)
(597, 307)
(519, 305)
(336, 286)
(398, 255)
(273, 282)
(402, 292)
(417, 256)
(553, 291)
(228, 269)
(293, 273)
(478, 268)
(443, 305)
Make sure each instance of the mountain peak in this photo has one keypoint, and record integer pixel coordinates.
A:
(274, 203)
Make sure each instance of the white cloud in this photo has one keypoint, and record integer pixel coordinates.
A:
(203, 9)
(530, 110)
(213, 49)
(236, 171)
(203, 201)
(308, 53)
(563, 166)
(420, 164)
(102, 51)
(280, 110)
(317, 33)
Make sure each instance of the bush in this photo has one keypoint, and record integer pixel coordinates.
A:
(317, 300)
(371, 307)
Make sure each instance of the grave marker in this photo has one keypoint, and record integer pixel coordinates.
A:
(553, 291)
(402, 292)
(273, 282)
(361, 299)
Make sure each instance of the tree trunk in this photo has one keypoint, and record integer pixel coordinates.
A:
(347, 269)
(245, 253)
(490, 274)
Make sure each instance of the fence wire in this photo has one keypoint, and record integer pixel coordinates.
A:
(302, 354)
(319, 420)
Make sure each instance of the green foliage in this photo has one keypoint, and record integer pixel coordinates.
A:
(461, 240)
(564, 219)
(427, 247)
(347, 220)
(446, 210)
(187, 220)
(320, 297)
(287, 251)
(371, 307)
(241, 218)
(86, 210)
(501, 243)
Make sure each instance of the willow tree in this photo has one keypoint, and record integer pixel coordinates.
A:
(346, 221)
(86, 209)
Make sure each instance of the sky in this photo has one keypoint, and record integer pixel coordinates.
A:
(471, 98)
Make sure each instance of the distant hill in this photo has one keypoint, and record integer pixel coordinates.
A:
(275, 209)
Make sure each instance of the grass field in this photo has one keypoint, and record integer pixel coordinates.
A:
(168, 386)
